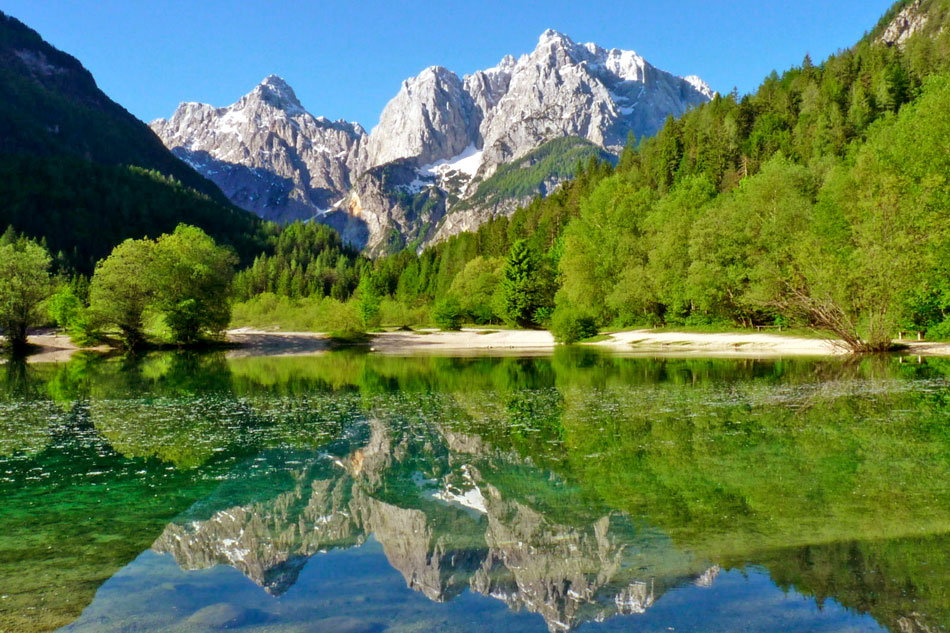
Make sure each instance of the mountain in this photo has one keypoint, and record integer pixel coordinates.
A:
(82, 172)
(266, 152)
(437, 144)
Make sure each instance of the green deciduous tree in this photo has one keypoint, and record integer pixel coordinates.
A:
(192, 277)
(475, 287)
(24, 284)
(123, 285)
(601, 244)
(64, 307)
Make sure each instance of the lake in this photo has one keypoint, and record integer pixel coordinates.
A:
(351, 492)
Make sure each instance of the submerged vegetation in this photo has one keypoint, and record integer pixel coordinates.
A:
(830, 475)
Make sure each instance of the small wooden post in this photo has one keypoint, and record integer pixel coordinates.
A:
(920, 336)
(900, 336)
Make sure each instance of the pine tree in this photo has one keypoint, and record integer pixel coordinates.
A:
(518, 286)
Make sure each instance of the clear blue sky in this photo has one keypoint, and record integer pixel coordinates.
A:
(347, 59)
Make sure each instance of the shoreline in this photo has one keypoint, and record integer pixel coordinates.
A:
(253, 342)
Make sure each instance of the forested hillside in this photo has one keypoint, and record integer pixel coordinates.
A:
(82, 210)
(82, 173)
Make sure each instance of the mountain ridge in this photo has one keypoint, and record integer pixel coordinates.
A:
(455, 131)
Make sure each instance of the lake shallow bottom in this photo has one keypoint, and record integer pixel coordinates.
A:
(580, 491)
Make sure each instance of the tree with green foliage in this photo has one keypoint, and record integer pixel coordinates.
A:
(600, 244)
(519, 299)
(192, 277)
(122, 287)
(64, 307)
(24, 285)
(476, 285)
(447, 313)
(368, 299)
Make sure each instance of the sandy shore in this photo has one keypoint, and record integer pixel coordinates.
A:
(250, 342)
(751, 344)
(481, 341)
(254, 342)
(54, 348)
(468, 340)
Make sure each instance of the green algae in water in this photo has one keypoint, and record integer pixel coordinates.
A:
(187, 492)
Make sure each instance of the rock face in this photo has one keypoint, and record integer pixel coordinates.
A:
(909, 21)
(432, 117)
(272, 157)
(453, 532)
(265, 152)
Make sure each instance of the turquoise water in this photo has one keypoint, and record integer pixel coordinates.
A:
(350, 492)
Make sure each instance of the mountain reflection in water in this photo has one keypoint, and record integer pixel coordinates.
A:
(569, 491)
(442, 524)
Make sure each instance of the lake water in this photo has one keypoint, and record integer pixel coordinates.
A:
(355, 493)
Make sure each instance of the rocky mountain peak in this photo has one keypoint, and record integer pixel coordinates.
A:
(507, 64)
(430, 119)
(266, 152)
(550, 37)
(276, 92)
(701, 86)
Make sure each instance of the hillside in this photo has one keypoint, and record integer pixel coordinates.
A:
(66, 150)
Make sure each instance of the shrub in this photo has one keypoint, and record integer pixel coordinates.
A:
(569, 325)
(447, 314)
(397, 313)
(940, 332)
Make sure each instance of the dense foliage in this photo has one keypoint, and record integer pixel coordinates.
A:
(24, 284)
(83, 210)
(183, 276)
(306, 259)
